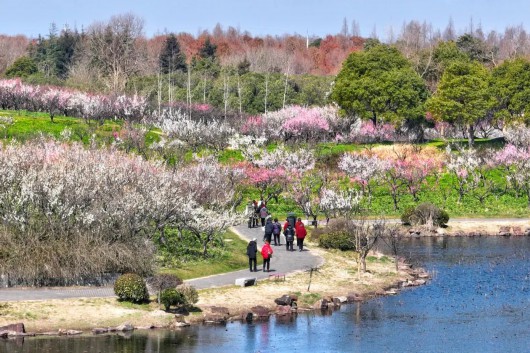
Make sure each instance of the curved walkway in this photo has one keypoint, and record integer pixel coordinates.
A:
(282, 262)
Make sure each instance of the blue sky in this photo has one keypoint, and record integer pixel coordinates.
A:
(276, 17)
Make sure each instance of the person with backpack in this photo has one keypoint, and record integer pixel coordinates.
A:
(276, 230)
(266, 253)
(268, 230)
(252, 250)
(301, 232)
(289, 233)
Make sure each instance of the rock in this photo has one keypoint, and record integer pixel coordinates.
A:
(419, 282)
(282, 310)
(336, 302)
(354, 297)
(423, 274)
(260, 312)
(283, 300)
(504, 231)
(4, 334)
(150, 327)
(343, 299)
(73, 332)
(99, 330)
(179, 324)
(391, 292)
(19, 328)
(215, 319)
(248, 317)
(322, 304)
(517, 231)
(527, 232)
(216, 315)
(124, 328)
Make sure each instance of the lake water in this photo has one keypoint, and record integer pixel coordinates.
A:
(477, 301)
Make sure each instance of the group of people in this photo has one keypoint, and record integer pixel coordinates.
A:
(292, 228)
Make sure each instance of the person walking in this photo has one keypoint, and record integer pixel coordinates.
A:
(252, 250)
(268, 230)
(266, 253)
(289, 233)
(301, 232)
(263, 213)
(276, 231)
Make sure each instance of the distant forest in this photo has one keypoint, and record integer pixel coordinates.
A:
(228, 68)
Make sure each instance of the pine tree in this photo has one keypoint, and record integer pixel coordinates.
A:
(208, 50)
(171, 58)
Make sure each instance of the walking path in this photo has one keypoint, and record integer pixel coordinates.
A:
(282, 262)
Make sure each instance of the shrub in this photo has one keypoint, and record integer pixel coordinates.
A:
(172, 297)
(337, 235)
(163, 281)
(425, 213)
(131, 287)
(189, 293)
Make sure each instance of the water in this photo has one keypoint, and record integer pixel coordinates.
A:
(478, 301)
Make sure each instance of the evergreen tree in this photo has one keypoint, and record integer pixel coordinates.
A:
(208, 50)
(171, 58)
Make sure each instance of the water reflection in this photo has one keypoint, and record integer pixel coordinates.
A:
(478, 302)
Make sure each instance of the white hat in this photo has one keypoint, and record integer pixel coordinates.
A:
(254, 239)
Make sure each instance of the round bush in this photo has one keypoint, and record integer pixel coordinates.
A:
(405, 217)
(189, 293)
(336, 240)
(171, 297)
(131, 287)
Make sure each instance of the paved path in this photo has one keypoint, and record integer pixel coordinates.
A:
(282, 262)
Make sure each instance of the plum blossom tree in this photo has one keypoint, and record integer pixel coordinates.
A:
(363, 169)
(516, 161)
(120, 202)
(179, 127)
(469, 169)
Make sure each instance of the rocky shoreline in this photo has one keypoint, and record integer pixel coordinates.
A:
(497, 230)
(287, 305)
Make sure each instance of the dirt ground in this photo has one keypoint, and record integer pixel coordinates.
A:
(485, 227)
(337, 277)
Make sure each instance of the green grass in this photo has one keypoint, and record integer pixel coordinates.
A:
(233, 258)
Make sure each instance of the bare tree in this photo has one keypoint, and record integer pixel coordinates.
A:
(113, 50)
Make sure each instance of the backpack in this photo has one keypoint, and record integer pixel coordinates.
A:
(289, 233)
(276, 229)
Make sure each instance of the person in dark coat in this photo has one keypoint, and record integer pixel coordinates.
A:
(252, 250)
(268, 230)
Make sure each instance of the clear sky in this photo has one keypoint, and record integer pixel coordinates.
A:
(259, 17)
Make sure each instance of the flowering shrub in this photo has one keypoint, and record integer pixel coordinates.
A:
(14, 94)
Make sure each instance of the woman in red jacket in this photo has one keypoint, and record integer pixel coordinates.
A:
(301, 232)
(266, 252)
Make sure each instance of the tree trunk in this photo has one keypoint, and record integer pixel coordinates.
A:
(471, 135)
